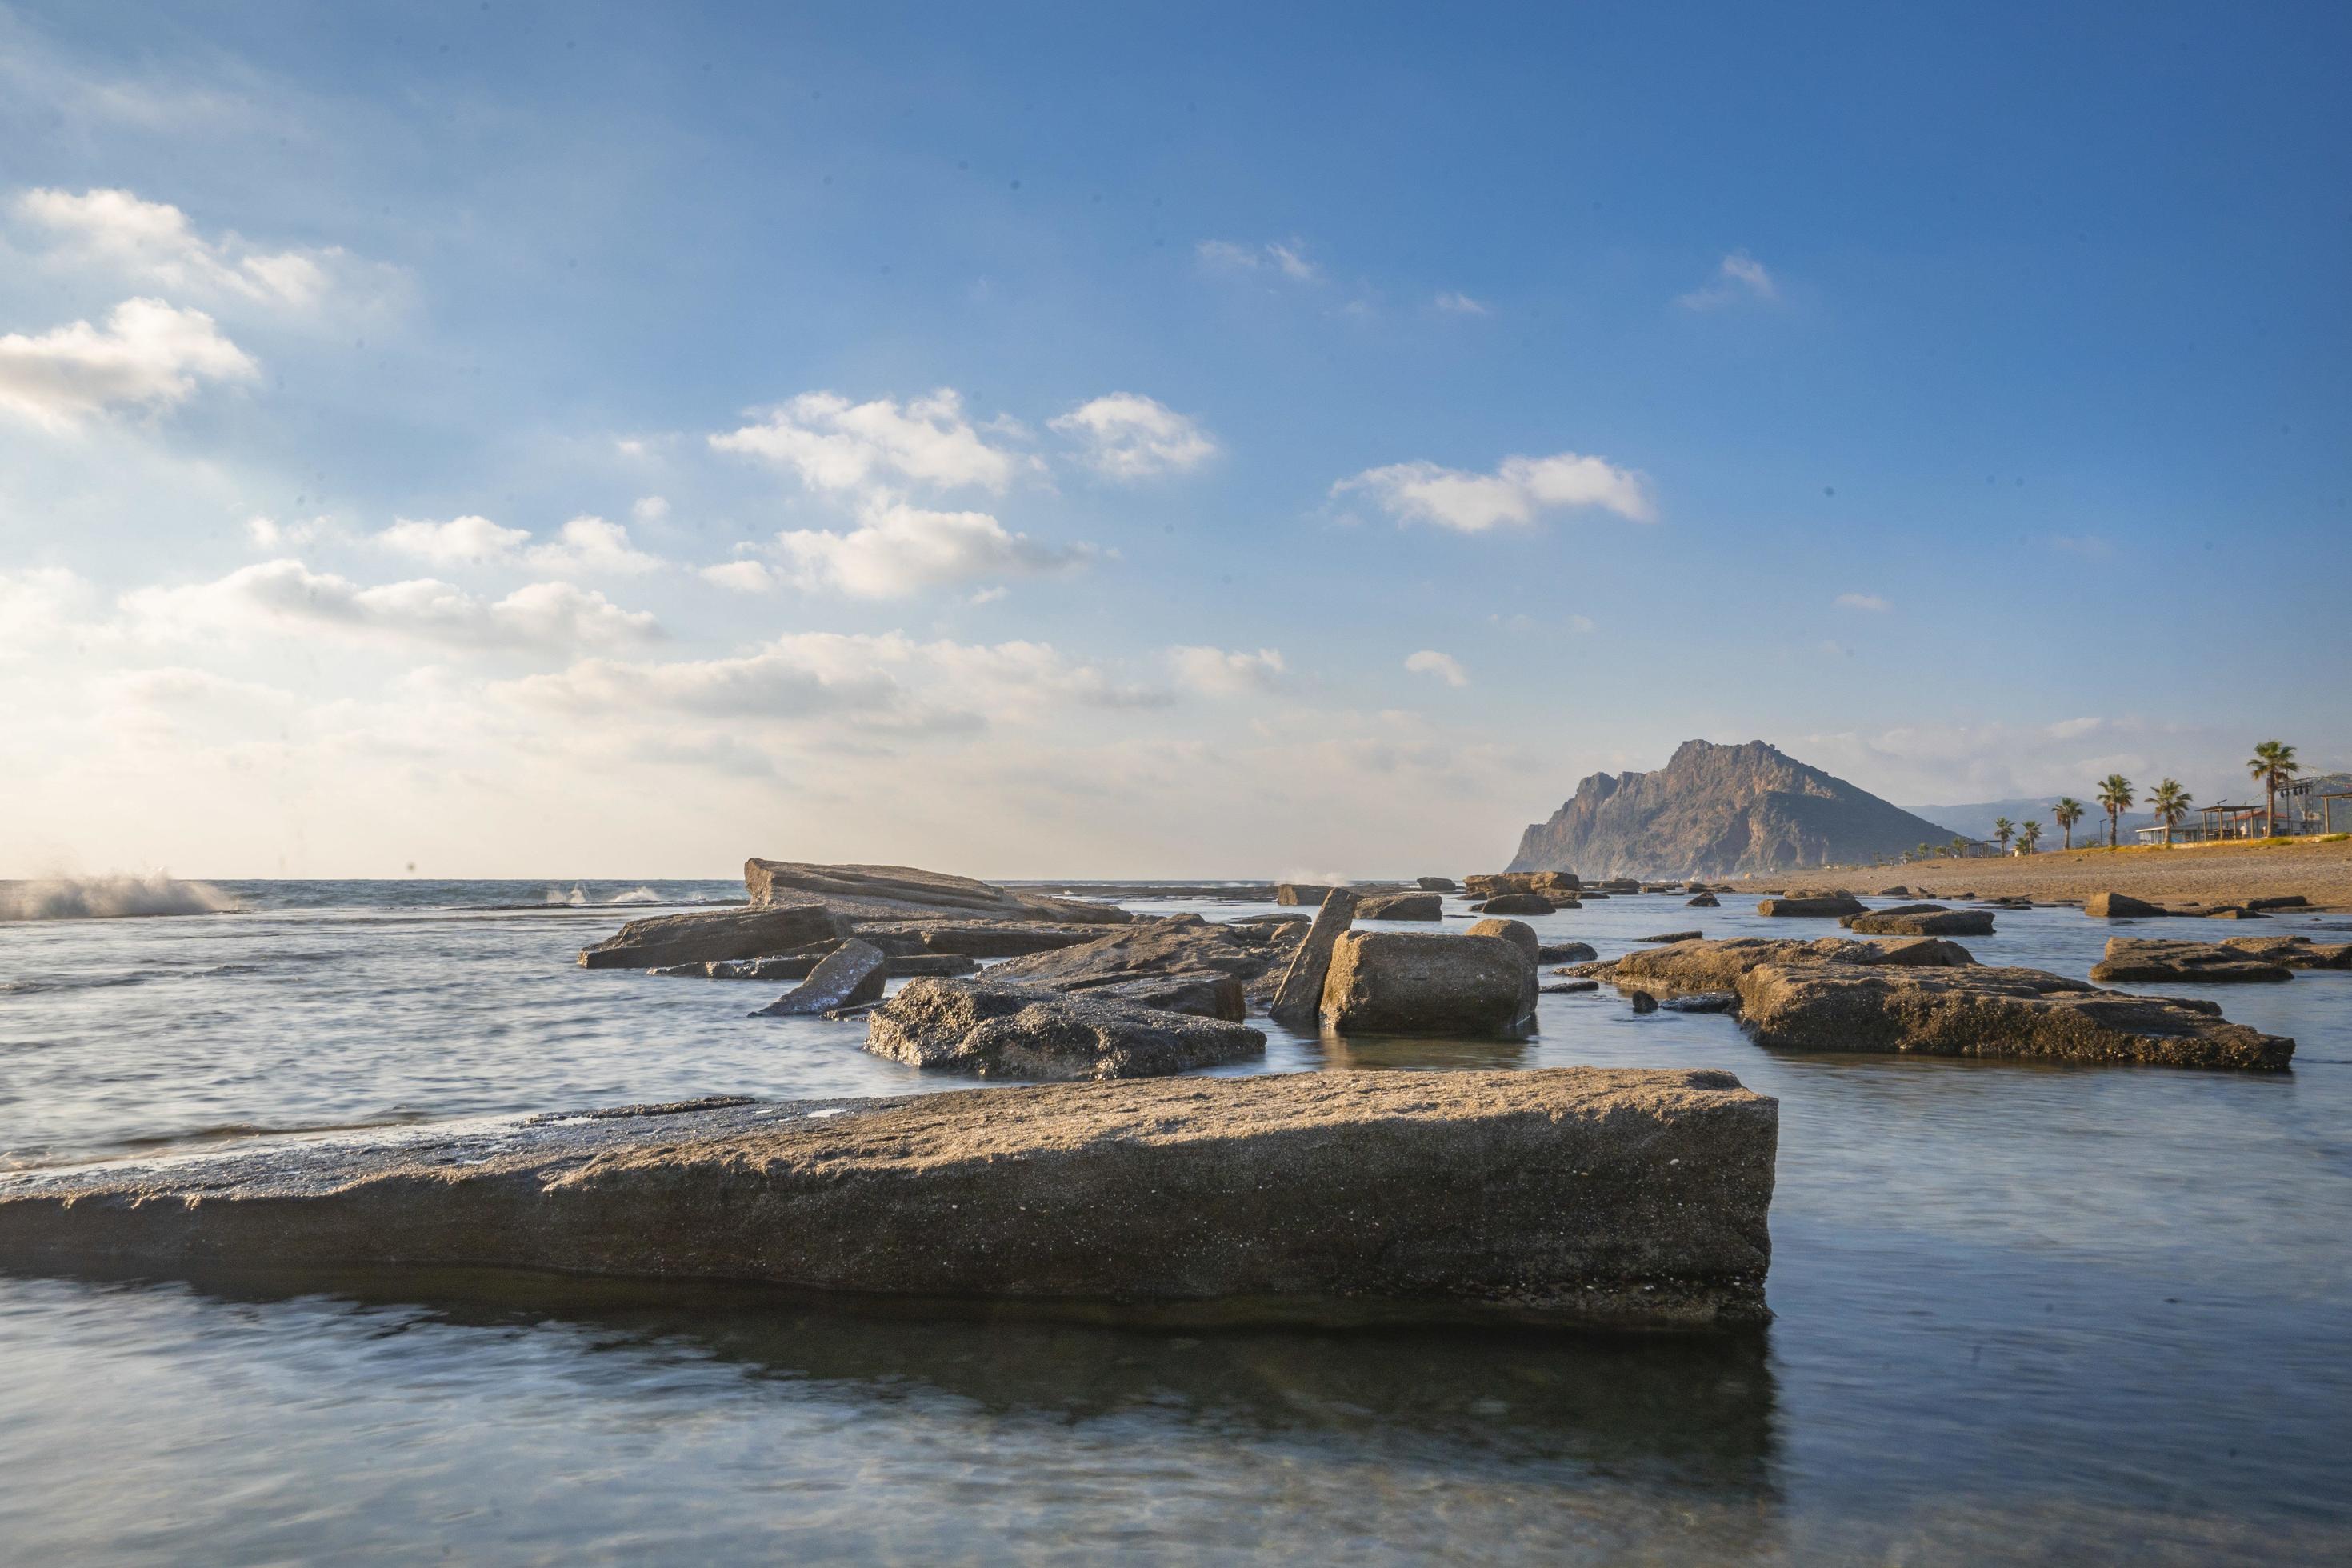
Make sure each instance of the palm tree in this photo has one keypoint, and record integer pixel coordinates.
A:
(1922, 852)
(2002, 828)
(2029, 836)
(2115, 794)
(2066, 813)
(2272, 765)
(2171, 803)
(1960, 848)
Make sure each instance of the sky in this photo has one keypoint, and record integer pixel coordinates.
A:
(580, 440)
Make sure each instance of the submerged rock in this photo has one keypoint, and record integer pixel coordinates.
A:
(1569, 987)
(1299, 993)
(1576, 1197)
(1703, 1002)
(1920, 920)
(2295, 951)
(849, 975)
(2119, 906)
(2144, 959)
(993, 1030)
(1396, 983)
(701, 935)
(1704, 901)
(1673, 936)
(1402, 907)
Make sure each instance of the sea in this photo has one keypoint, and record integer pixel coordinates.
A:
(2023, 1312)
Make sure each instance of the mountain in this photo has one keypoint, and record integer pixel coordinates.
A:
(1975, 821)
(1716, 811)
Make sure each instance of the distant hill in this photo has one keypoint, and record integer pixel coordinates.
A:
(1718, 811)
(1976, 821)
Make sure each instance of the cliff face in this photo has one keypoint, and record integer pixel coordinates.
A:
(1718, 811)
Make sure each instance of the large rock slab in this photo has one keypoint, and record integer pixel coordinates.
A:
(1517, 904)
(1301, 894)
(1183, 948)
(1402, 907)
(1816, 904)
(976, 939)
(701, 935)
(2140, 960)
(1691, 966)
(1920, 920)
(2120, 906)
(899, 892)
(800, 966)
(1437, 884)
(1575, 1196)
(1399, 983)
(2295, 951)
(848, 976)
(993, 1030)
(1299, 993)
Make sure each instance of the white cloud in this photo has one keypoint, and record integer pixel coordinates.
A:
(1131, 436)
(585, 546)
(149, 352)
(1455, 302)
(1443, 666)
(1870, 602)
(649, 509)
(269, 533)
(836, 444)
(1738, 276)
(899, 550)
(468, 541)
(1514, 493)
(1221, 672)
(742, 576)
(589, 546)
(1286, 257)
(155, 243)
(286, 595)
(38, 607)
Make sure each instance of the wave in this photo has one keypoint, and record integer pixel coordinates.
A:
(635, 896)
(108, 897)
(577, 898)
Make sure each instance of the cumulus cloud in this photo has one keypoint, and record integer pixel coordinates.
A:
(1131, 436)
(468, 541)
(269, 533)
(649, 509)
(148, 353)
(834, 443)
(585, 546)
(899, 550)
(1288, 258)
(742, 576)
(1514, 493)
(286, 595)
(155, 243)
(1455, 302)
(1870, 602)
(38, 605)
(589, 546)
(1222, 672)
(1443, 666)
(1739, 277)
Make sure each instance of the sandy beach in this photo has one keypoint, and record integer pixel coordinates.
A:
(2202, 874)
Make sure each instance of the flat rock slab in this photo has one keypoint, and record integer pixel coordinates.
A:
(995, 1030)
(1932, 922)
(849, 975)
(1298, 992)
(1402, 907)
(798, 966)
(898, 892)
(1518, 904)
(1177, 948)
(2143, 958)
(2295, 951)
(2119, 906)
(702, 935)
(1693, 966)
(1576, 1197)
(975, 939)
(1674, 936)
(1826, 906)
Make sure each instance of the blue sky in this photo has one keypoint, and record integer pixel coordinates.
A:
(590, 440)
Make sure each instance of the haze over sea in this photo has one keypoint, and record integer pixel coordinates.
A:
(2025, 1313)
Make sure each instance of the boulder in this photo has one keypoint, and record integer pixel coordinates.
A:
(850, 975)
(1517, 904)
(1704, 901)
(1923, 919)
(1643, 1000)
(994, 1030)
(1569, 987)
(1897, 892)
(2280, 902)
(1574, 1196)
(1143, 959)
(1674, 936)
(2137, 958)
(701, 935)
(1618, 884)
(2119, 906)
(1301, 893)
(1402, 907)
(1396, 983)
(1519, 933)
(1299, 994)
(2294, 952)
(1437, 884)
(1564, 952)
(1703, 1002)
(899, 892)
(1828, 905)
(1493, 884)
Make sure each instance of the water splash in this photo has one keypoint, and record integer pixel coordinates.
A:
(635, 896)
(577, 898)
(107, 897)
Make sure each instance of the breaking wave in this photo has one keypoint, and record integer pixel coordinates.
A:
(578, 897)
(107, 897)
(635, 896)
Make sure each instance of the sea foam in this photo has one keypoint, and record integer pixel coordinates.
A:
(106, 897)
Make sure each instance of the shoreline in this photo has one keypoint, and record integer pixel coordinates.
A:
(2205, 874)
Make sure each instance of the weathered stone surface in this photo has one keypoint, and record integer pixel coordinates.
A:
(1437, 884)
(993, 1030)
(1569, 988)
(1982, 1011)
(1519, 933)
(1674, 936)
(1924, 920)
(1819, 904)
(701, 935)
(1396, 983)
(1703, 1002)
(900, 893)
(1719, 966)
(1299, 994)
(1549, 883)
(2280, 902)
(2295, 951)
(1643, 1000)
(2235, 912)
(1172, 949)
(1574, 1195)
(850, 975)
(1704, 901)
(2119, 906)
(1517, 904)
(1565, 953)
(798, 966)
(2139, 959)
(1302, 893)
(1402, 907)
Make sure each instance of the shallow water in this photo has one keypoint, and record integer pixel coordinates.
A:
(2025, 1313)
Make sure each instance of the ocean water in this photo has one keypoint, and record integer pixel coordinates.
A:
(2024, 1312)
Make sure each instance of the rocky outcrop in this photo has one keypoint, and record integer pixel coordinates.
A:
(1305, 895)
(1819, 904)
(975, 939)
(989, 1029)
(1720, 965)
(1517, 904)
(2294, 952)
(1716, 811)
(1174, 961)
(800, 966)
(1299, 995)
(1920, 920)
(849, 975)
(1395, 982)
(1674, 936)
(1519, 933)
(1565, 953)
(1576, 1197)
(1437, 884)
(2119, 907)
(2138, 959)
(702, 935)
(863, 893)
(1402, 907)
(1704, 901)
(1551, 884)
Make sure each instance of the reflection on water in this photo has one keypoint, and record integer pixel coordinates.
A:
(2026, 1311)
